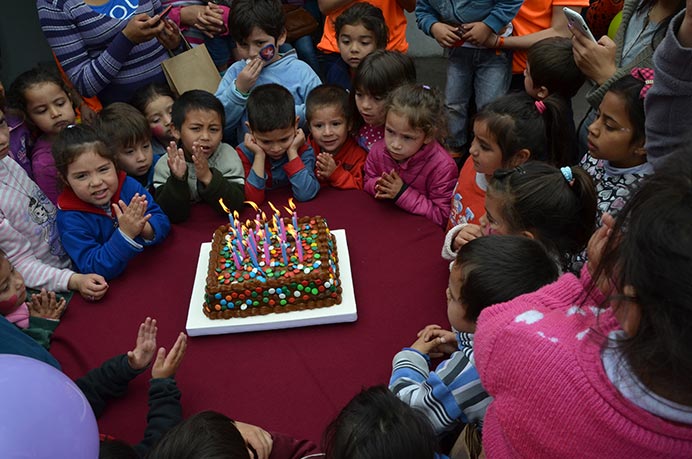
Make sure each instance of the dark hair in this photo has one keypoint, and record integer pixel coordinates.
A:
(538, 198)
(367, 15)
(375, 424)
(422, 105)
(123, 125)
(516, 123)
(147, 93)
(652, 253)
(116, 449)
(270, 107)
(498, 268)
(328, 95)
(16, 94)
(628, 89)
(195, 99)
(266, 15)
(381, 71)
(551, 63)
(206, 435)
(75, 140)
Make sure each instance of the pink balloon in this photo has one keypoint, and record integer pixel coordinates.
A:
(43, 413)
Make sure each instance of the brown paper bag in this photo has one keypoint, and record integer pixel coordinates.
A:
(191, 69)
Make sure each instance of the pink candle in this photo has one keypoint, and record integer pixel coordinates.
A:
(236, 259)
(282, 230)
(299, 247)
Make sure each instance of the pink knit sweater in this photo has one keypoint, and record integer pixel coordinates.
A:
(539, 356)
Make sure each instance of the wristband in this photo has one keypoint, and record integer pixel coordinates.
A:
(501, 41)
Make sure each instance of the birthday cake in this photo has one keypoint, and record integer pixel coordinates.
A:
(275, 266)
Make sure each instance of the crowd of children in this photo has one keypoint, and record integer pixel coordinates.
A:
(568, 297)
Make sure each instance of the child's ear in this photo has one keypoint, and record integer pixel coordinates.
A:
(297, 122)
(281, 40)
(519, 158)
(527, 234)
(542, 93)
(628, 312)
(175, 133)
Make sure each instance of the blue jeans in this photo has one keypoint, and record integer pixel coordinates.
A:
(483, 71)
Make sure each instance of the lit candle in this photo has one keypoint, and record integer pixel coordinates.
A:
(227, 210)
(283, 252)
(295, 221)
(236, 223)
(239, 246)
(236, 259)
(253, 257)
(267, 255)
(251, 239)
(267, 233)
(282, 230)
(299, 246)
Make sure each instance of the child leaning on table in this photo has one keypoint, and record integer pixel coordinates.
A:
(340, 159)
(39, 316)
(201, 167)
(104, 217)
(409, 166)
(275, 152)
(486, 271)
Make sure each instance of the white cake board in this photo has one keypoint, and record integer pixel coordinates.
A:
(198, 324)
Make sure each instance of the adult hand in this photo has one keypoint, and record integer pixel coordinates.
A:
(446, 35)
(91, 286)
(166, 366)
(142, 27)
(176, 161)
(257, 440)
(145, 346)
(465, 235)
(210, 20)
(45, 305)
(169, 37)
(476, 33)
(595, 60)
(132, 217)
(325, 165)
(247, 77)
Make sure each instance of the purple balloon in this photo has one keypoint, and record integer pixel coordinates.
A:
(43, 413)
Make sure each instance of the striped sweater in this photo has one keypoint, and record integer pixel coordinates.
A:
(28, 233)
(450, 394)
(94, 52)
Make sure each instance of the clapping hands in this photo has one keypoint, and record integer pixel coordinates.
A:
(132, 218)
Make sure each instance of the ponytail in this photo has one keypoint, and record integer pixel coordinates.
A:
(558, 206)
(561, 138)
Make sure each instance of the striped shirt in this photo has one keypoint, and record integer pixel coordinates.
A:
(450, 394)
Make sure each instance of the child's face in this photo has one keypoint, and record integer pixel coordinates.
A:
(12, 289)
(4, 136)
(93, 178)
(493, 221)
(258, 39)
(402, 140)
(485, 152)
(355, 42)
(158, 114)
(136, 159)
(533, 91)
(611, 134)
(202, 127)
(456, 311)
(49, 108)
(371, 108)
(275, 143)
(329, 128)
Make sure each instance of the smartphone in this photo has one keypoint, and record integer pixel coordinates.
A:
(575, 19)
(165, 11)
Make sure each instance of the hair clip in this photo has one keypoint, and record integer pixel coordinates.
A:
(426, 87)
(540, 106)
(646, 75)
(567, 174)
(70, 126)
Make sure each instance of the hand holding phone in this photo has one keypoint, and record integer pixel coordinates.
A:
(576, 20)
(165, 12)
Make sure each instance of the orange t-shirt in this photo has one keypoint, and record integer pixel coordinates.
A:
(468, 202)
(534, 16)
(393, 16)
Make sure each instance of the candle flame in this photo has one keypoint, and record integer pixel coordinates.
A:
(276, 211)
(223, 206)
(254, 206)
(264, 217)
(235, 214)
(291, 204)
(247, 223)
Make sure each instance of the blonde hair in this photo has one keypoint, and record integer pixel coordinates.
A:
(422, 106)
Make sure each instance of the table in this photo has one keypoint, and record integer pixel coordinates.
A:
(294, 380)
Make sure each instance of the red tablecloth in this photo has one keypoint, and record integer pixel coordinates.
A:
(294, 380)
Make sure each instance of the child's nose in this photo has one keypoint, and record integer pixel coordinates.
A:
(54, 112)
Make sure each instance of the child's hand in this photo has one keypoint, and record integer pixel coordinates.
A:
(594, 251)
(176, 161)
(201, 163)
(325, 165)
(298, 141)
(132, 218)
(476, 33)
(256, 438)
(45, 305)
(247, 77)
(92, 287)
(145, 347)
(467, 234)
(165, 366)
(445, 34)
(388, 186)
(251, 145)
(435, 341)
